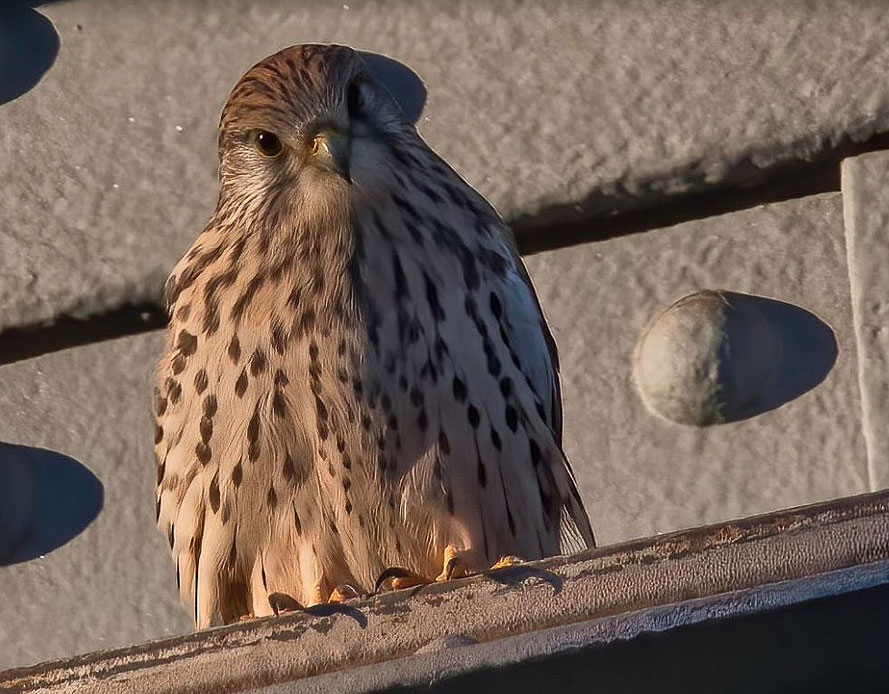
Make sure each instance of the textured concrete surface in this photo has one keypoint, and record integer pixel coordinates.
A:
(109, 160)
(641, 474)
(112, 584)
(560, 111)
(535, 610)
(866, 209)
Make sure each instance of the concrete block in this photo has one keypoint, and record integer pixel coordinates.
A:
(641, 474)
(560, 110)
(716, 357)
(88, 571)
(866, 210)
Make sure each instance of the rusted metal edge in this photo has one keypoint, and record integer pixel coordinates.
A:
(558, 592)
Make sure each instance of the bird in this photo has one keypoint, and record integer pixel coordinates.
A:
(358, 386)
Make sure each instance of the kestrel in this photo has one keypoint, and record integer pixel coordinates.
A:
(358, 375)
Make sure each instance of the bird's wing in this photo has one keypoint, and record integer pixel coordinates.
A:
(532, 341)
(532, 338)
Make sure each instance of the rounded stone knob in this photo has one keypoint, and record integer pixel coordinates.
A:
(711, 357)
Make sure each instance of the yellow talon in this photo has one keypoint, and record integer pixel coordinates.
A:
(451, 567)
(317, 594)
(507, 560)
(397, 578)
(343, 593)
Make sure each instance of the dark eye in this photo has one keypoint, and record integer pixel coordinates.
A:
(355, 101)
(267, 143)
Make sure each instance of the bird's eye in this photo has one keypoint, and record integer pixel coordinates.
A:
(268, 144)
(355, 100)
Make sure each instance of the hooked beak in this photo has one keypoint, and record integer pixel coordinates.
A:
(330, 149)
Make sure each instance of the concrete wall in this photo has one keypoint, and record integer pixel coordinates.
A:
(578, 121)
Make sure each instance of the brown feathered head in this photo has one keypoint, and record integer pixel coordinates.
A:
(308, 119)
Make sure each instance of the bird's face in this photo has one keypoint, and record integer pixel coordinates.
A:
(304, 127)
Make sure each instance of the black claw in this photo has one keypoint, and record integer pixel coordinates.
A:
(392, 572)
(348, 590)
(281, 602)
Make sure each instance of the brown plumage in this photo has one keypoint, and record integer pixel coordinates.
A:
(358, 374)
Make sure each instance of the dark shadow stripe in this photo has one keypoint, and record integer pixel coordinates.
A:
(65, 332)
(600, 217)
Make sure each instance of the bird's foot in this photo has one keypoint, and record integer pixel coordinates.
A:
(506, 560)
(452, 567)
(455, 566)
(343, 593)
(322, 594)
(397, 578)
(281, 602)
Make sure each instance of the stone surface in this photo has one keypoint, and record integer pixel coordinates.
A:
(107, 153)
(82, 413)
(575, 108)
(704, 359)
(641, 474)
(523, 613)
(717, 356)
(866, 210)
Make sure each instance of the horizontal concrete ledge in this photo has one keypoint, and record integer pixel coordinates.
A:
(578, 653)
(535, 609)
(558, 113)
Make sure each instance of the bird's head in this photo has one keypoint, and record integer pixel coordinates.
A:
(303, 127)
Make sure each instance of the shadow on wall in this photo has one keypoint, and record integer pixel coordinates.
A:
(808, 351)
(28, 48)
(46, 499)
(403, 84)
